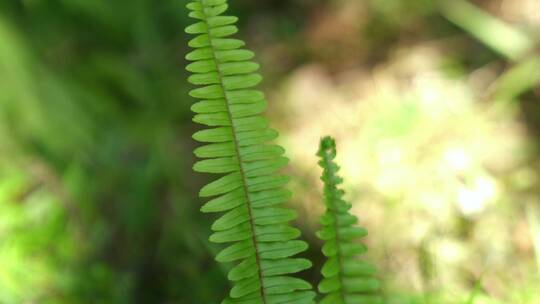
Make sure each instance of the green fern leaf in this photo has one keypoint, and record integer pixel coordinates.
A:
(346, 279)
(251, 192)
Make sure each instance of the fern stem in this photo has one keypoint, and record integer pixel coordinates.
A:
(332, 207)
(241, 164)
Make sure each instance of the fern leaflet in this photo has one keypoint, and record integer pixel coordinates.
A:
(347, 280)
(251, 191)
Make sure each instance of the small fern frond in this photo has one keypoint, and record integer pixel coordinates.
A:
(346, 279)
(251, 192)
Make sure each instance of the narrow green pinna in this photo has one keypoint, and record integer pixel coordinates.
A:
(346, 278)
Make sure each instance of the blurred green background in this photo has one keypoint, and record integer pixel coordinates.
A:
(434, 104)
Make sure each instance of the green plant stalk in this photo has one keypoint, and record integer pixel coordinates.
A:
(519, 79)
(496, 34)
(533, 219)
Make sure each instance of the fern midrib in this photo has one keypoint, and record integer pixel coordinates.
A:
(333, 209)
(240, 162)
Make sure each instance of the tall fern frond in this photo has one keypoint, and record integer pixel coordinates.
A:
(346, 279)
(237, 144)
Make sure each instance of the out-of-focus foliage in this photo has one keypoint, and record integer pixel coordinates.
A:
(95, 152)
(438, 146)
(437, 125)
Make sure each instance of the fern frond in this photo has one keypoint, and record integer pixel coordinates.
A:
(347, 280)
(252, 191)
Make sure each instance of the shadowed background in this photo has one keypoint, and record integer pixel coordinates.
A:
(434, 105)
